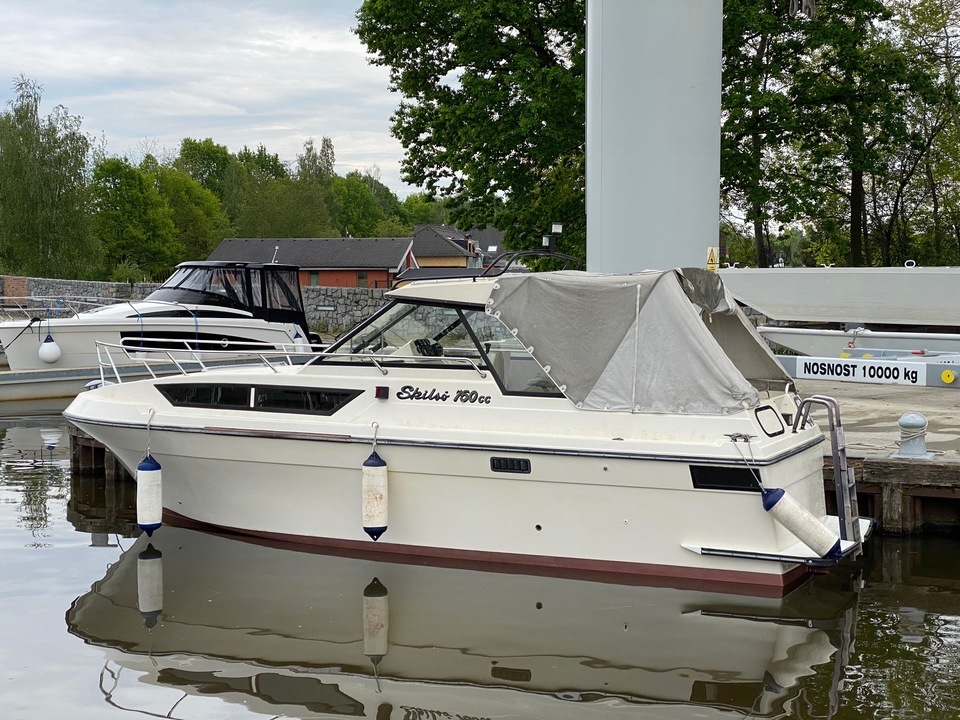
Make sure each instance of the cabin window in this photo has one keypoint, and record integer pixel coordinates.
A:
(197, 395)
(314, 402)
(718, 477)
(516, 370)
(266, 398)
(282, 290)
(770, 421)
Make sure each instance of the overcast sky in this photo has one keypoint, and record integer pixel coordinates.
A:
(145, 75)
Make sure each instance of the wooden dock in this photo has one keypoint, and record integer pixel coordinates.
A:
(904, 497)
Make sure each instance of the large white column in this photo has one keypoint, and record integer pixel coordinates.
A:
(653, 133)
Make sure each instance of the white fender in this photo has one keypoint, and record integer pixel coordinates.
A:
(49, 351)
(149, 495)
(801, 522)
(374, 496)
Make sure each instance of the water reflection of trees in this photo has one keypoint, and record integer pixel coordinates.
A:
(906, 659)
(33, 468)
(38, 486)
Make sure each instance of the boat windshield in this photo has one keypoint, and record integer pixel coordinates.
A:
(405, 330)
(282, 289)
(223, 282)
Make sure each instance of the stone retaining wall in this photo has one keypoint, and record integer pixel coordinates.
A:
(329, 309)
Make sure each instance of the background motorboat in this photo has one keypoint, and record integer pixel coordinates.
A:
(204, 310)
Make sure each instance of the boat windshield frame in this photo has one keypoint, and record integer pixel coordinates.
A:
(439, 335)
(268, 291)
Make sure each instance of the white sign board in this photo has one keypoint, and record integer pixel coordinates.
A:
(888, 372)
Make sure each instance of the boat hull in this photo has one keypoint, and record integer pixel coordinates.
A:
(572, 508)
(77, 339)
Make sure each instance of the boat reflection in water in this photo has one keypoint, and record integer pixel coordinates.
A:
(288, 632)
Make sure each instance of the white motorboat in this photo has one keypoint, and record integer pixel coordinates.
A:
(824, 311)
(191, 624)
(626, 424)
(222, 306)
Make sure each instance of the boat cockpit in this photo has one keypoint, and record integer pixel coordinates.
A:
(269, 291)
(445, 336)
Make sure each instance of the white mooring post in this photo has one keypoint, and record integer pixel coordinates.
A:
(653, 133)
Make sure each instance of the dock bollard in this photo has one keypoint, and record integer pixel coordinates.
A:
(913, 442)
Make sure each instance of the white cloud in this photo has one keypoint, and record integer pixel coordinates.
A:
(247, 72)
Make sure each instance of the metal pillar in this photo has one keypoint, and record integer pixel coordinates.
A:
(653, 133)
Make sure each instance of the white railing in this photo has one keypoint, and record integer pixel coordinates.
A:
(120, 361)
(37, 306)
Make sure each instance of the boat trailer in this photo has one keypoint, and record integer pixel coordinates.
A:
(919, 368)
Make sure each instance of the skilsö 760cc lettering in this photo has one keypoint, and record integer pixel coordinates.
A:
(409, 392)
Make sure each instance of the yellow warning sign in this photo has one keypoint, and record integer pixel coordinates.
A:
(713, 255)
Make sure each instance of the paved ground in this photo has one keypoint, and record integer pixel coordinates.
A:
(869, 414)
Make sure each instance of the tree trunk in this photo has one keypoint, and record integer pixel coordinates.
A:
(760, 241)
(935, 199)
(856, 217)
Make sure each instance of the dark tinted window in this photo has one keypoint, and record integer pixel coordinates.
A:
(207, 395)
(707, 477)
(317, 401)
(320, 402)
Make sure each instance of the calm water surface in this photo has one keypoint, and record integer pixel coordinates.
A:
(96, 623)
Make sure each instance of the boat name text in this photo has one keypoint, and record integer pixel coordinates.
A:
(409, 392)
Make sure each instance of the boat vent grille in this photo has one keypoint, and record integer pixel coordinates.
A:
(510, 465)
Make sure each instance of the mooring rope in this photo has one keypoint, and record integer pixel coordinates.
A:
(26, 327)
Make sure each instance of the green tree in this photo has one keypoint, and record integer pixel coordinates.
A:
(927, 170)
(760, 51)
(316, 164)
(314, 172)
(420, 209)
(493, 101)
(45, 197)
(263, 163)
(206, 162)
(850, 96)
(197, 214)
(133, 222)
(391, 227)
(559, 196)
(386, 198)
(216, 169)
(359, 211)
(286, 207)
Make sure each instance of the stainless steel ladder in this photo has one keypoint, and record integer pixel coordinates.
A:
(845, 484)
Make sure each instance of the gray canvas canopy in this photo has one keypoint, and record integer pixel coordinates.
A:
(664, 341)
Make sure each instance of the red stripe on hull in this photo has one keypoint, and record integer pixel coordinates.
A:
(610, 571)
